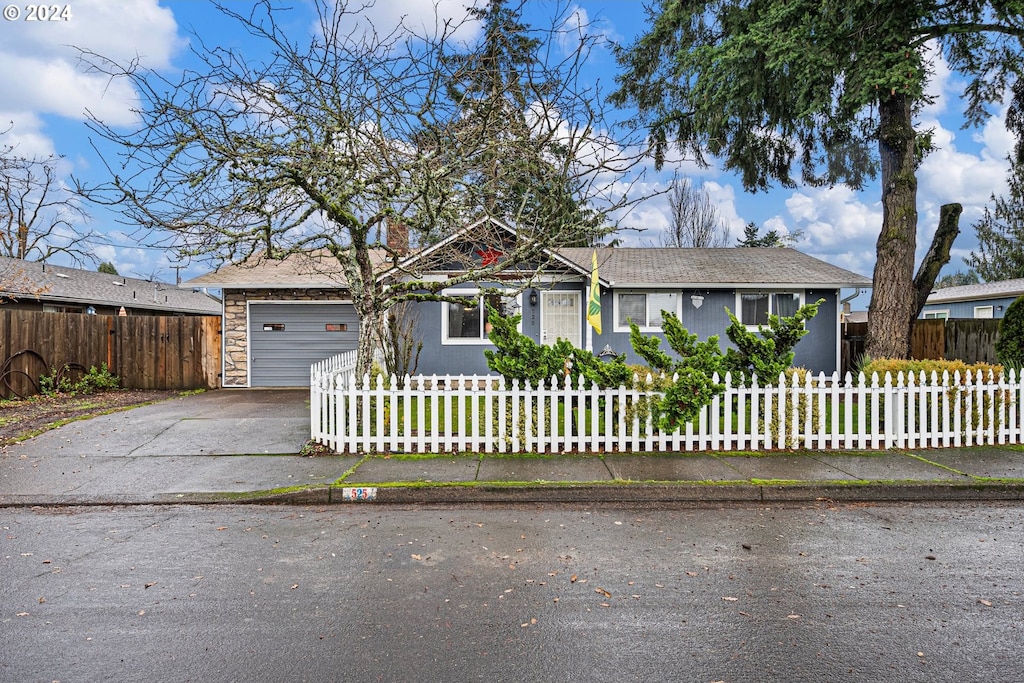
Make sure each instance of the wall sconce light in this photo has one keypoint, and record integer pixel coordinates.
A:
(533, 297)
(697, 300)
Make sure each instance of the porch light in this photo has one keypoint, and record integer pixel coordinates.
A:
(533, 297)
(697, 300)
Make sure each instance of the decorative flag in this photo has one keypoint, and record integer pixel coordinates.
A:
(594, 303)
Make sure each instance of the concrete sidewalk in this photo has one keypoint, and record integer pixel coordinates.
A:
(242, 445)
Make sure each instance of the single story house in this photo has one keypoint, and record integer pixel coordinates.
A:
(38, 286)
(281, 316)
(984, 300)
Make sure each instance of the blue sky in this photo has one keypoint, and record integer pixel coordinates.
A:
(45, 92)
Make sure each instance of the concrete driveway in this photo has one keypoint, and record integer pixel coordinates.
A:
(221, 422)
(218, 441)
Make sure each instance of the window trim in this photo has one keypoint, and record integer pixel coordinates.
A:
(935, 314)
(446, 340)
(991, 312)
(647, 301)
(771, 293)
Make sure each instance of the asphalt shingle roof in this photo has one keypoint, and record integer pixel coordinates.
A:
(985, 290)
(58, 284)
(318, 269)
(645, 267)
(619, 266)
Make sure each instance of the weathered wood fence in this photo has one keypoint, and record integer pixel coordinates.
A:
(487, 414)
(146, 352)
(969, 340)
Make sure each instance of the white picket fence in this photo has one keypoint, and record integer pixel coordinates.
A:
(487, 414)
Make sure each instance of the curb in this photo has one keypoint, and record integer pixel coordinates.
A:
(567, 493)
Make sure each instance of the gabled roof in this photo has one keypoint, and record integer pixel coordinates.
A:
(617, 267)
(34, 280)
(296, 271)
(726, 267)
(555, 255)
(985, 290)
(318, 269)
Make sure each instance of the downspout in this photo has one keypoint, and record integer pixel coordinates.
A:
(841, 324)
(843, 302)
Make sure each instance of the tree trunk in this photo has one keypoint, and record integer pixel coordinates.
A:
(937, 256)
(893, 298)
(369, 326)
(367, 298)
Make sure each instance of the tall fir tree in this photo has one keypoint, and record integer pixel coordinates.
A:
(1000, 232)
(504, 79)
(787, 91)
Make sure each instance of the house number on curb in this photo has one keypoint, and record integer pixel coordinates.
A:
(357, 494)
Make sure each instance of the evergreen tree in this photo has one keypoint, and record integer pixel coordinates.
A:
(957, 279)
(108, 268)
(751, 239)
(1010, 345)
(1000, 232)
(503, 79)
(787, 91)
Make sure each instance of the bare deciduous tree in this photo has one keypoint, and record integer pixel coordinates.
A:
(320, 146)
(695, 221)
(39, 217)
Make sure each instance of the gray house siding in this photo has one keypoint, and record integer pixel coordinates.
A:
(817, 351)
(441, 358)
(961, 302)
(966, 309)
(455, 338)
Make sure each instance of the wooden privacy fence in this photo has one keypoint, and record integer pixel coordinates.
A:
(966, 339)
(146, 352)
(486, 414)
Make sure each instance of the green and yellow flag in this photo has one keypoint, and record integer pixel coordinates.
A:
(594, 303)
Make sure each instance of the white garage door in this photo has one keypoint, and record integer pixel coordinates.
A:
(285, 339)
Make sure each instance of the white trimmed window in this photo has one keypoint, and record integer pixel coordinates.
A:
(644, 309)
(983, 312)
(936, 314)
(467, 323)
(753, 308)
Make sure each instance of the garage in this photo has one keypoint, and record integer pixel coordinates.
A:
(286, 338)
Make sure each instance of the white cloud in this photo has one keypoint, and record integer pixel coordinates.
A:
(950, 175)
(834, 220)
(577, 25)
(723, 197)
(43, 72)
(939, 84)
(423, 18)
(118, 30)
(24, 136)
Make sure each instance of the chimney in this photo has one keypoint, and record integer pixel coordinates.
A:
(398, 236)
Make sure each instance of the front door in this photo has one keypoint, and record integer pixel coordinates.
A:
(561, 317)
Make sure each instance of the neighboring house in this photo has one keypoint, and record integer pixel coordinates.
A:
(985, 300)
(35, 286)
(282, 316)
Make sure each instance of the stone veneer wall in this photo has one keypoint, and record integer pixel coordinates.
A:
(236, 343)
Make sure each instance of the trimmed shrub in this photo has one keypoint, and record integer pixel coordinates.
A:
(927, 366)
(1010, 345)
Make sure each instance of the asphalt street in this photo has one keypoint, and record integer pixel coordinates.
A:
(786, 592)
